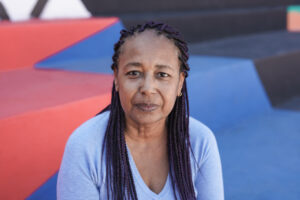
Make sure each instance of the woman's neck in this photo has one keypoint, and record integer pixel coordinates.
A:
(146, 133)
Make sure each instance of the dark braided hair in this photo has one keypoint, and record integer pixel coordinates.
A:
(119, 179)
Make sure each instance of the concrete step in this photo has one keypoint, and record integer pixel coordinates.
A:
(276, 56)
(201, 25)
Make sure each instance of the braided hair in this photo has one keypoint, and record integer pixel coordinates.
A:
(119, 179)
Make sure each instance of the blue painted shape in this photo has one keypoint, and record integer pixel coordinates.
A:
(93, 54)
(223, 91)
(47, 191)
(260, 157)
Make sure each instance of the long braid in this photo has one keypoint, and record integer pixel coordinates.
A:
(119, 179)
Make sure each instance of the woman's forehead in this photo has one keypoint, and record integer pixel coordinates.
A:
(149, 40)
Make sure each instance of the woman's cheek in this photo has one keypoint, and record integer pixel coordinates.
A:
(127, 92)
(169, 89)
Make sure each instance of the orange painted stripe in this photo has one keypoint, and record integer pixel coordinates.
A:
(23, 44)
(293, 21)
(32, 144)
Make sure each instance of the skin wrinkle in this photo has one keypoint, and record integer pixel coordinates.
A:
(175, 124)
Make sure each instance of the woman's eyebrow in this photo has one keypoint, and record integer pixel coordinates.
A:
(134, 64)
(161, 66)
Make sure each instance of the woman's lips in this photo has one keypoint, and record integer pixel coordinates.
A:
(146, 107)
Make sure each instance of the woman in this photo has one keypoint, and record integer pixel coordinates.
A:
(144, 145)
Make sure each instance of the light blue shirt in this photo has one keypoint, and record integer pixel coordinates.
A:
(82, 171)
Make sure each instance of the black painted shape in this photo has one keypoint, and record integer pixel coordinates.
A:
(38, 8)
(199, 20)
(117, 7)
(291, 104)
(280, 76)
(207, 25)
(3, 13)
(253, 46)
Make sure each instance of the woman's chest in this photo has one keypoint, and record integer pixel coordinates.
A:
(153, 167)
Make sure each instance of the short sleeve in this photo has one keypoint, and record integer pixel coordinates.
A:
(209, 179)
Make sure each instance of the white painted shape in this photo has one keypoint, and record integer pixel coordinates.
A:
(19, 10)
(64, 9)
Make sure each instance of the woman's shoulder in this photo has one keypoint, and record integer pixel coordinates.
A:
(205, 162)
(82, 156)
(199, 131)
(90, 132)
(202, 139)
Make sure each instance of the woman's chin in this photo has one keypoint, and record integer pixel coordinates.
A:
(145, 118)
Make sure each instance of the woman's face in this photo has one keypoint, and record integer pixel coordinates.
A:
(148, 77)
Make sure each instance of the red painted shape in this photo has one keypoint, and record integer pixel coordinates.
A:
(31, 89)
(33, 134)
(25, 43)
(293, 21)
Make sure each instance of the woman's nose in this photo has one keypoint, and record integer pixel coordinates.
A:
(148, 85)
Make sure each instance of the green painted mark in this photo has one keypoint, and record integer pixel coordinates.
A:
(294, 8)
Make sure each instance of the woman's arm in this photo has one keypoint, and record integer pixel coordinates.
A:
(209, 180)
(77, 175)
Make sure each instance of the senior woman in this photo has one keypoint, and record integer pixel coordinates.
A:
(144, 145)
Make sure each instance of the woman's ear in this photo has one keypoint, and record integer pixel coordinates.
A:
(181, 81)
(116, 79)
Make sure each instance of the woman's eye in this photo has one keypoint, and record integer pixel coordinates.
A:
(162, 74)
(133, 73)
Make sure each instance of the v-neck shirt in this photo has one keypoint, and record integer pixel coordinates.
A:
(82, 173)
(144, 189)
